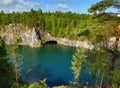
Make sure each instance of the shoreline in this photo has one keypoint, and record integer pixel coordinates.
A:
(67, 42)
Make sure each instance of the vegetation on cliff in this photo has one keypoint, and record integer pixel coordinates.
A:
(95, 27)
(101, 61)
(64, 24)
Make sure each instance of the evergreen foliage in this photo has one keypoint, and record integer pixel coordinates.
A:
(63, 24)
(6, 70)
(77, 63)
(97, 28)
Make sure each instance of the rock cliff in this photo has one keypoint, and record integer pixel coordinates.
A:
(65, 41)
(35, 38)
(27, 36)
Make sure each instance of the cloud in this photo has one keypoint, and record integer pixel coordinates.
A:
(47, 5)
(62, 7)
(16, 5)
(6, 2)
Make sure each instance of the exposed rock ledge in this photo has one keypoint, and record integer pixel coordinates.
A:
(85, 44)
(65, 41)
(28, 37)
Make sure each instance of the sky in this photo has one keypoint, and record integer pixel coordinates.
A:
(78, 6)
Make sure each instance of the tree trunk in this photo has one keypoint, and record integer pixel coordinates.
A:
(114, 52)
(115, 48)
(16, 67)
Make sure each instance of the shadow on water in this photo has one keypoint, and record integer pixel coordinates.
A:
(51, 42)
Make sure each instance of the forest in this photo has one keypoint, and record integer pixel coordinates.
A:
(97, 26)
(70, 25)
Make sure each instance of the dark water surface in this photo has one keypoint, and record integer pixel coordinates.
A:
(54, 60)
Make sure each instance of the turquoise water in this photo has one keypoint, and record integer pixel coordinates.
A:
(53, 60)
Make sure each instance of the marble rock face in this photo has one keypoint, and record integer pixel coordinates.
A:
(28, 36)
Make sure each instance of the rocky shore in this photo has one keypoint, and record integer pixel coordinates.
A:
(29, 37)
(65, 41)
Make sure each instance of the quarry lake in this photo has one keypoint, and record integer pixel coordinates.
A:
(52, 60)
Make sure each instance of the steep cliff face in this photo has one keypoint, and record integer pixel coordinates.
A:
(85, 44)
(32, 38)
(67, 42)
(27, 36)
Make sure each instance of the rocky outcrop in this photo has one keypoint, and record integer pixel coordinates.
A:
(34, 38)
(65, 41)
(75, 43)
(27, 36)
(85, 44)
(30, 38)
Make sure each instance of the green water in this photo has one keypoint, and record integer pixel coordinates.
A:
(53, 60)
